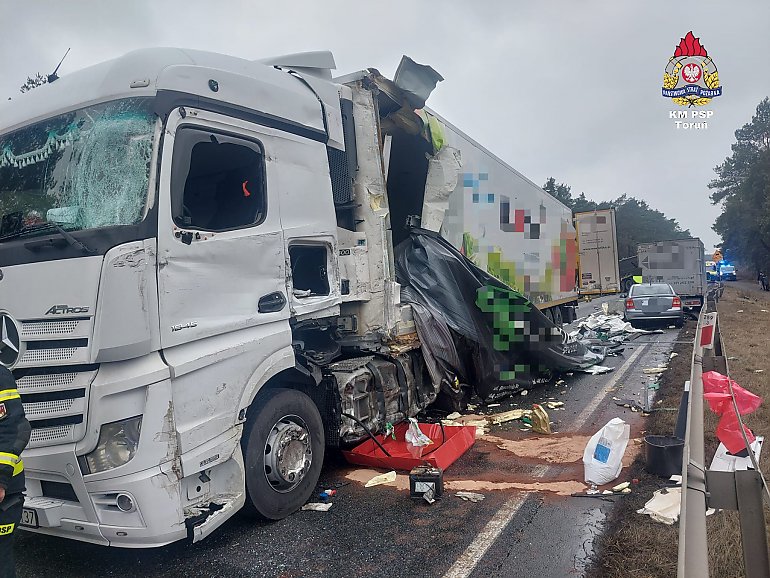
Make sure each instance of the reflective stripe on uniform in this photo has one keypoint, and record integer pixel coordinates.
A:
(12, 460)
(7, 394)
(6, 529)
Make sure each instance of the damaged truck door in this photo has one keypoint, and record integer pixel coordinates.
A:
(224, 314)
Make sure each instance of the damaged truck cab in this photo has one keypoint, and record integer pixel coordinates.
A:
(197, 286)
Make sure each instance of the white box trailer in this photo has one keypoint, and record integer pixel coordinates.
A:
(597, 252)
(680, 263)
(510, 227)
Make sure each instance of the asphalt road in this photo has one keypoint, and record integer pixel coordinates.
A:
(527, 525)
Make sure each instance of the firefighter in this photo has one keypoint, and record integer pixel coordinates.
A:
(14, 436)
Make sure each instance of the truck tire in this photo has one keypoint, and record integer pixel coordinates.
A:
(627, 284)
(283, 452)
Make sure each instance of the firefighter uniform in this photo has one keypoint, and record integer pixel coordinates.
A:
(14, 436)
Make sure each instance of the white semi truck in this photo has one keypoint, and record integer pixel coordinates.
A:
(197, 291)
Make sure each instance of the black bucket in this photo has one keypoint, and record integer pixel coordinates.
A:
(663, 455)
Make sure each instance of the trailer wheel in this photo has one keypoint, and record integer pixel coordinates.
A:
(557, 317)
(283, 450)
(627, 284)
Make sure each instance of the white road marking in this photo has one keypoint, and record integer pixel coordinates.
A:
(470, 558)
(589, 409)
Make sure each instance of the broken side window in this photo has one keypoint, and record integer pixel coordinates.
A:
(217, 181)
(309, 270)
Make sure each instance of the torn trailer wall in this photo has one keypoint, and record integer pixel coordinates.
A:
(475, 329)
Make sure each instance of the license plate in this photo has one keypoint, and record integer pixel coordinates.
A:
(29, 518)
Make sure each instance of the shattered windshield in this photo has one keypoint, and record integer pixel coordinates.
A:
(82, 170)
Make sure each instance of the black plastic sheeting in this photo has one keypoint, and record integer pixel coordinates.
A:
(475, 329)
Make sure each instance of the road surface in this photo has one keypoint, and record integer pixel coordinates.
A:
(527, 525)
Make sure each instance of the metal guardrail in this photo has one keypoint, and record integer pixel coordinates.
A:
(701, 488)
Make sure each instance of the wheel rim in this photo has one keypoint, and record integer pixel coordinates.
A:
(288, 453)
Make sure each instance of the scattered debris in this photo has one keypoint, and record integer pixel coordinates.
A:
(726, 462)
(470, 496)
(559, 382)
(388, 478)
(554, 404)
(621, 487)
(673, 355)
(453, 415)
(326, 494)
(596, 369)
(664, 505)
(652, 370)
(506, 416)
(629, 403)
(524, 392)
(318, 507)
(494, 405)
(759, 371)
(540, 422)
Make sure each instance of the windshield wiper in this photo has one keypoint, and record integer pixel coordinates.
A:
(43, 227)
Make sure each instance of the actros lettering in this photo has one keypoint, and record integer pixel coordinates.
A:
(65, 310)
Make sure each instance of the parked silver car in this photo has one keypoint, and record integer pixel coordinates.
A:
(653, 302)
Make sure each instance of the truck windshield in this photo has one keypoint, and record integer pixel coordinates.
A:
(82, 170)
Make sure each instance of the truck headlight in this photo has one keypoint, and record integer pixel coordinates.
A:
(117, 445)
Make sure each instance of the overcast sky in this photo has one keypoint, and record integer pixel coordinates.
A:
(564, 88)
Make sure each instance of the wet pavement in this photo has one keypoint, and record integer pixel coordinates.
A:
(527, 525)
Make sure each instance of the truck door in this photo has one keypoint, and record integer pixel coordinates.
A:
(222, 270)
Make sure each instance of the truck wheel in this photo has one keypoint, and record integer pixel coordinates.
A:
(283, 450)
(627, 284)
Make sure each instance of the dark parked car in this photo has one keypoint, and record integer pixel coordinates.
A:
(650, 302)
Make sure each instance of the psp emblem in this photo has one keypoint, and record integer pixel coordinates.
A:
(691, 77)
(10, 341)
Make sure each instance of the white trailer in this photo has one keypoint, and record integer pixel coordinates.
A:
(680, 263)
(598, 265)
(197, 292)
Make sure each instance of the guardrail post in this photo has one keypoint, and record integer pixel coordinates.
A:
(748, 489)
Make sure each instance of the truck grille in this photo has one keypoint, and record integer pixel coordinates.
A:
(48, 328)
(53, 377)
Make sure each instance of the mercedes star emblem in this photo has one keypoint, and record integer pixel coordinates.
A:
(10, 342)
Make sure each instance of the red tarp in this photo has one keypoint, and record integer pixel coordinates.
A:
(442, 453)
(716, 390)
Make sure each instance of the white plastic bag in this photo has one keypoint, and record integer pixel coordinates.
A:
(415, 436)
(602, 458)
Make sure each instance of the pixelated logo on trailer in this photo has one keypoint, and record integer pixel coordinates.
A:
(691, 77)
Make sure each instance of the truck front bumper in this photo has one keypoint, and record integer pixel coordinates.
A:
(94, 516)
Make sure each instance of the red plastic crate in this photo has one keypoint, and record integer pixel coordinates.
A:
(442, 453)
